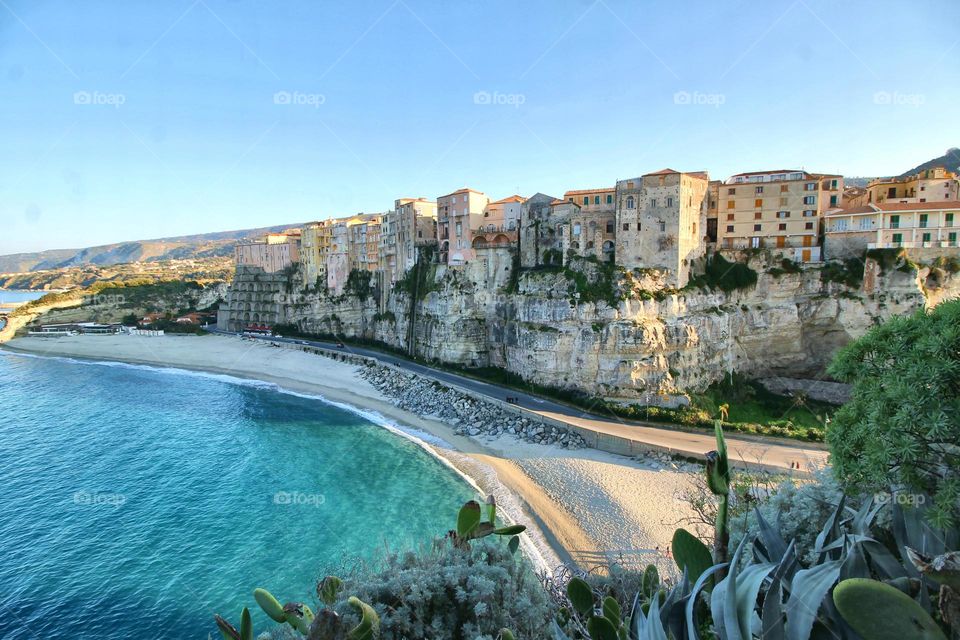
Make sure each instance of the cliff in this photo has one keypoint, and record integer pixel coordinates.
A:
(604, 331)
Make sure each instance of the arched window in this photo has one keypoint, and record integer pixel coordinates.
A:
(630, 202)
(590, 244)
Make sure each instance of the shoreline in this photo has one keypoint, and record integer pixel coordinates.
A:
(580, 505)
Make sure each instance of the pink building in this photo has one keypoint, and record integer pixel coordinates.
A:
(275, 252)
(458, 214)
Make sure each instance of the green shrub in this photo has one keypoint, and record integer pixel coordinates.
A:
(442, 591)
(720, 273)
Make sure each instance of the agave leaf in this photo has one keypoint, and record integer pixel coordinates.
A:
(369, 627)
(884, 561)
(491, 509)
(692, 600)
(468, 518)
(855, 564)
(808, 589)
(653, 627)
(773, 542)
(830, 531)
(748, 588)
(556, 632)
(861, 522)
(671, 612)
(771, 621)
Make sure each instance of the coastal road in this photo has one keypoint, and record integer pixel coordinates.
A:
(773, 454)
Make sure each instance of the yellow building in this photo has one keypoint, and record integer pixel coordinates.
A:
(316, 240)
(500, 225)
(776, 209)
(929, 185)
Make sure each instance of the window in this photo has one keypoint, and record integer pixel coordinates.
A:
(731, 204)
(570, 199)
(833, 201)
(897, 238)
(809, 199)
(923, 220)
(731, 191)
(609, 198)
(782, 226)
(894, 222)
(663, 227)
(809, 213)
(669, 202)
(784, 188)
(810, 186)
(586, 199)
(948, 220)
(638, 226)
(952, 238)
(758, 202)
(783, 202)
(730, 217)
(758, 190)
(576, 229)
(926, 237)
(783, 214)
(757, 227)
(757, 215)
(609, 226)
(596, 200)
(653, 202)
(630, 202)
(808, 225)
(626, 226)
(729, 228)
(465, 197)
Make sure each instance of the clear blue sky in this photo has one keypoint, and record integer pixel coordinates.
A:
(124, 120)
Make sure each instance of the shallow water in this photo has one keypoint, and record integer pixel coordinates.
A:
(136, 502)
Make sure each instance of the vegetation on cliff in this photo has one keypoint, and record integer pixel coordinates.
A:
(902, 424)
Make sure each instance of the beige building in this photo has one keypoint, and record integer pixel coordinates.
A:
(272, 253)
(661, 222)
(500, 225)
(930, 185)
(410, 225)
(364, 244)
(922, 225)
(315, 244)
(777, 209)
(458, 214)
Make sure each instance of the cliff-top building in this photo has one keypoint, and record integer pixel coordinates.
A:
(458, 214)
(891, 225)
(777, 209)
(936, 184)
(661, 222)
(274, 252)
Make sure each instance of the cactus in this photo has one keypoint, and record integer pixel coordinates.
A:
(229, 632)
(718, 480)
(296, 614)
(690, 554)
(471, 526)
(877, 611)
(606, 626)
(369, 627)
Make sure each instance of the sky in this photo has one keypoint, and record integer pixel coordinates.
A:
(126, 120)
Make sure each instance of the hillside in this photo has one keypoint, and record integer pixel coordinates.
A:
(950, 160)
(204, 245)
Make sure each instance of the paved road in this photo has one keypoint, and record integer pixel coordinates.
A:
(772, 454)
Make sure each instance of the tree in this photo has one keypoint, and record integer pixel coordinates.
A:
(901, 428)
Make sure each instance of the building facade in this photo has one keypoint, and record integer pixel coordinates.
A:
(458, 214)
(890, 225)
(936, 184)
(272, 253)
(661, 222)
(777, 209)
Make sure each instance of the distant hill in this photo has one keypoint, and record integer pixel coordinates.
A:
(950, 160)
(203, 245)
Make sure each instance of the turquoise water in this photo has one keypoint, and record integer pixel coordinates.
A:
(136, 502)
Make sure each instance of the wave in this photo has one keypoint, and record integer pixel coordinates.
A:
(509, 507)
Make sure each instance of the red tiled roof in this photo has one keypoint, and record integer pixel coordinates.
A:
(513, 198)
(662, 172)
(577, 192)
(917, 206)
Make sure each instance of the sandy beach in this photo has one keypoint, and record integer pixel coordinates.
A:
(582, 505)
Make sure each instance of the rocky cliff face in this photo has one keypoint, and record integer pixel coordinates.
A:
(561, 329)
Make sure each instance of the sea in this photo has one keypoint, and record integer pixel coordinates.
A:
(136, 502)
